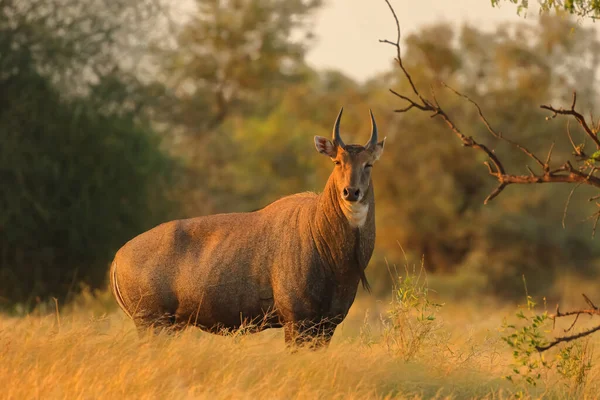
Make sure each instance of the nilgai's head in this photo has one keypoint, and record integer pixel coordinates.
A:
(353, 162)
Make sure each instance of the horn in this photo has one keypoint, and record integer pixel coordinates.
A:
(373, 140)
(336, 130)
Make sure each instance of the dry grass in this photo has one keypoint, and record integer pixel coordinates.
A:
(82, 356)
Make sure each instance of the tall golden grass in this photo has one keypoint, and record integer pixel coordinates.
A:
(82, 354)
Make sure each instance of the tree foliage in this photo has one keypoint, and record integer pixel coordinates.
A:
(81, 172)
(232, 61)
(229, 52)
(95, 149)
(429, 191)
(515, 68)
(581, 8)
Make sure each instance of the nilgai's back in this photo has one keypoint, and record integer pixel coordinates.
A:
(296, 263)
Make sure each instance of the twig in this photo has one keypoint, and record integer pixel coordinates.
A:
(587, 300)
(573, 324)
(397, 45)
(592, 311)
(547, 163)
(580, 118)
(497, 135)
(565, 339)
(578, 149)
(567, 204)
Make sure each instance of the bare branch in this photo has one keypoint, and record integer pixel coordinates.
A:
(547, 163)
(495, 193)
(563, 174)
(397, 45)
(573, 176)
(589, 302)
(565, 339)
(530, 170)
(578, 150)
(593, 311)
(591, 132)
(412, 103)
(573, 324)
(567, 204)
(497, 135)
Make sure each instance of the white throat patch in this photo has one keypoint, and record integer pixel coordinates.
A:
(356, 213)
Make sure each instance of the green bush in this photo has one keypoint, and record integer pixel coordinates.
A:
(76, 184)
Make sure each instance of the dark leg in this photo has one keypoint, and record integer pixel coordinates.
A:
(290, 332)
(154, 325)
(298, 334)
(315, 335)
(325, 331)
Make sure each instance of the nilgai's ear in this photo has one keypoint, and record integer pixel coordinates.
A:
(378, 149)
(324, 146)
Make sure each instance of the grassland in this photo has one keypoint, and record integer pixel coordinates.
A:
(92, 351)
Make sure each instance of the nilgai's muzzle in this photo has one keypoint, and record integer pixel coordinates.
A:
(351, 194)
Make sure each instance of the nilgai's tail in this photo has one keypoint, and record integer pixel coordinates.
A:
(114, 286)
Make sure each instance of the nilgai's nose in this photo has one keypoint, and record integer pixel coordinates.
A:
(351, 194)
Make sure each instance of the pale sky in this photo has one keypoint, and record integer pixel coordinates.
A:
(348, 30)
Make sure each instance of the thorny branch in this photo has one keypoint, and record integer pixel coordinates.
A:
(592, 311)
(565, 173)
(590, 131)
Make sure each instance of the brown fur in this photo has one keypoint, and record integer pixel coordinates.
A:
(294, 264)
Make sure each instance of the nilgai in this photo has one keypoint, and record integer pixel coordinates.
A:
(294, 264)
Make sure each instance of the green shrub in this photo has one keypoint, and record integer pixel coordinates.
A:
(76, 184)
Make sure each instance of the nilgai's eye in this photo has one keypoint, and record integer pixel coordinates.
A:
(368, 166)
(336, 162)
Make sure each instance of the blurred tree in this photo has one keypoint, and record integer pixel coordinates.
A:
(232, 51)
(581, 8)
(232, 59)
(280, 144)
(81, 171)
(509, 72)
(429, 192)
(77, 42)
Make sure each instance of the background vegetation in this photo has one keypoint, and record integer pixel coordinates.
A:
(581, 8)
(116, 116)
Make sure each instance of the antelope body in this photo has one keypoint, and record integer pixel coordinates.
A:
(294, 264)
